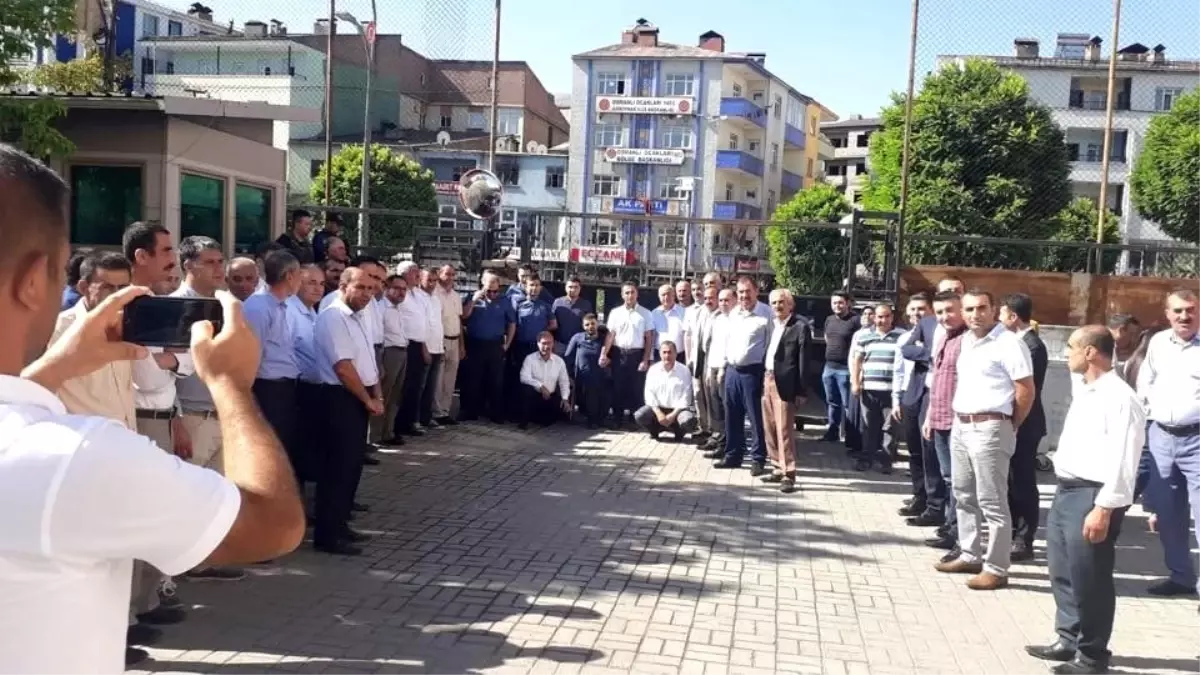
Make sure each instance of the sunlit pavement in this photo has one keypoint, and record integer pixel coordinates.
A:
(566, 551)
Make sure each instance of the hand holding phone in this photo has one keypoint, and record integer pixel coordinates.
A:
(164, 321)
(232, 355)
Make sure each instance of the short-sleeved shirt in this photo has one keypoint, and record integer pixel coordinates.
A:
(569, 316)
(987, 368)
(533, 317)
(82, 498)
(669, 326)
(451, 306)
(879, 358)
(303, 320)
(629, 326)
(267, 316)
(341, 334)
(490, 319)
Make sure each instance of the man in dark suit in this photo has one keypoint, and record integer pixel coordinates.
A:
(1024, 502)
(783, 387)
(910, 398)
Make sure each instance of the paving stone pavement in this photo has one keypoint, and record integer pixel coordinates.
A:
(563, 551)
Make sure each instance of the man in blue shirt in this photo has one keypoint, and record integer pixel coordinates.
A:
(275, 384)
(71, 294)
(491, 324)
(518, 289)
(534, 317)
(593, 384)
(302, 318)
(569, 311)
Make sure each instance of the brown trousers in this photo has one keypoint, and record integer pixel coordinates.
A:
(779, 426)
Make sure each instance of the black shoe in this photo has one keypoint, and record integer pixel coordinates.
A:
(757, 469)
(447, 421)
(1021, 553)
(368, 460)
(414, 432)
(954, 554)
(361, 508)
(772, 478)
(927, 519)
(726, 463)
(678, 436)
(885, 467)
(831, 437)
(1079, 666)
(134, 656)
(339, 548)
(714, 454)
(1170, 589)
(862, 465)
(1058, 650)
(654, 436)
(912, 508)
(142, 634)
(394, 441)
(162, 616)
(354, 536)
(788, 486)
(942, 542)
(710, 444)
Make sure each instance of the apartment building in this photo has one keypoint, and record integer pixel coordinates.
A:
(132, 22)
(850, 166)
(688, 130)
(1073, 82)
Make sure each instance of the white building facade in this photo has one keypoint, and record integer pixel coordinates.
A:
(850, 166)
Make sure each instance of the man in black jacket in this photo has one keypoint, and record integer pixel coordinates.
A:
(835, 378)
(295, 240)
(783, 387)
(1024, 502)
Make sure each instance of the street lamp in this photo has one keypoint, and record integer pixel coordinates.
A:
(364, 192)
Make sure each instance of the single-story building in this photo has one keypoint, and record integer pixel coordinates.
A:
(199, 166)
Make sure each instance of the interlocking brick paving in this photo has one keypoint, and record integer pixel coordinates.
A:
(564, 551)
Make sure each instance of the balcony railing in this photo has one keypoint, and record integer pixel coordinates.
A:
(740, 161)
(793, 136)
(745, 109)
(1078, 101)
(791, 181)
(736, 211)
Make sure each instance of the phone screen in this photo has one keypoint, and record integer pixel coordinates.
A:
(167, 322)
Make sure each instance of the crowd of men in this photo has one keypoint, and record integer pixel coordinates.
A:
(379, 352)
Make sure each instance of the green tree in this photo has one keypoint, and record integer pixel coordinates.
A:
(986, 161)
(397, 182)
(1166, 179)
(1077, 222)
(80, 75)
(28, 122)
(809, 260)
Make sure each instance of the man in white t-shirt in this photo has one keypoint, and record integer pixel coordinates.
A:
(84, 496)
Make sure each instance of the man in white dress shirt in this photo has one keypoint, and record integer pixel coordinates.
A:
(451, 304)
(350, 382)
(669, 321)
(545, 386)
(669, 397)
(716, 338)
(435, 344)
(395, 357)
(1169, 384)
(418, 316)
(995, 396)
(745, 353)
(701, 315)
(1096, 465)
(628, 348)
(85, 495)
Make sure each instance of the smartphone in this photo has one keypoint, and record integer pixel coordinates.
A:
(156, 321)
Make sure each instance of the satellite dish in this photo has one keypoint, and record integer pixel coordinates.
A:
(480, 193)
(532, 146)
(541, 149)
(501, 145)
(443, 138)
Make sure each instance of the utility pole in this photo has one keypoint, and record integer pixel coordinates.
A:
(907, 151)
(495, 92)
(329, 102)
(1109, 103)
(364, 192)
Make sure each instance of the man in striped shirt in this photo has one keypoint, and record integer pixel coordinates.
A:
(871, 373)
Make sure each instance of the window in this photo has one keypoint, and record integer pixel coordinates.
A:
(864, 139)
(174, 28)
(758, 96)
(679, 85)
(857, 199)
(860, 169)
(508, 173)
(508, 217)
(508, 122)
(838, 141)
(610, 135)
(201, 206)
(813, 127)
(535, 224)
(252, 218)
(556, 177)
(778, 107)
(314, 167)
(104, 200)
(149, 25)
(445, 118)
(795, 111)
(604, 233)
(610, 84)
(752, 195)
(808, 170)
(147, 65)
(770, 203)
(669, 239)
(734, 141)
(737, 90)
(446, 216)
(606, 186)
(676, 136)
(476, 120)
(754, 146)
(668, 182)
(457, 172)
(729, 192)
(836, 169)
(774, 155)
(1165, 97)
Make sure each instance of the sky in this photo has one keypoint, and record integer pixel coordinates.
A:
(848, 55)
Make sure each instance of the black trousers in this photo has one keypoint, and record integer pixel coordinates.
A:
(629, 383)
(483, 392)
(344, 440)
(309, 399)
(1023, 500)
(593, 395)
(433, 377)
(1081, 573)
(278, 401)
(416, 377)
(928, 489)
(534, 408)
(513, 389)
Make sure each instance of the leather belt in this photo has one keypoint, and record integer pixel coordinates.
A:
(982, 417)
(451, 337)
(202, 414)
(145, 414)
(1180, 430)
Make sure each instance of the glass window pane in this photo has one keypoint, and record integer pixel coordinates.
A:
(252, 213)
(201, 206)
(104, 201)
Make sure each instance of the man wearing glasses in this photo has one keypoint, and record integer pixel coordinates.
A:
(491, 325)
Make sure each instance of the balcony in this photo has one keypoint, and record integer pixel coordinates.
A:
(824, 147)
(793, 137)
(736, 160)
(790, 181)
(736, 211)
(744, 110)
(852, 152)
(1088, 100)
